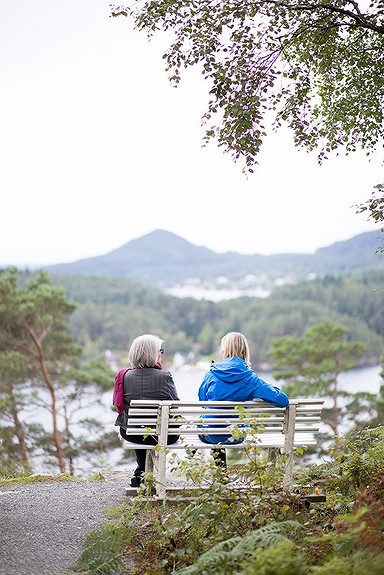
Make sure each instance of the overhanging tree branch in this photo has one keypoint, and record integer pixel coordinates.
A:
(317, 50)
(359, 19)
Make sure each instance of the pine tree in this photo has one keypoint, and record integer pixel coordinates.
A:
(35, 341)
(311, 365)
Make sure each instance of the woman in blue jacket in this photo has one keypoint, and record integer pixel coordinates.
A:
(232, 379)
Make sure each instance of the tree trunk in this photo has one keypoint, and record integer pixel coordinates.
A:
(19, 432)
(57, 436)
(69, 449)
(335, 424)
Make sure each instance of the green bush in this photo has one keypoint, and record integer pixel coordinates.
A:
(281, 559)
(356, 564)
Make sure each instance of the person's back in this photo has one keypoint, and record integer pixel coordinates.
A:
(148, 383)
(232, 379)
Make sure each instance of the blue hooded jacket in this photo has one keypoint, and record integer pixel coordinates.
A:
(232, 379)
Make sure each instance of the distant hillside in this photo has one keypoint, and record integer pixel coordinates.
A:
(162, 259)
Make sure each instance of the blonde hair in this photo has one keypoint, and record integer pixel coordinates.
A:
(144, 351)
(235, 344)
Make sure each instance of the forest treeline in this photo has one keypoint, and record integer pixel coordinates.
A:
(110, 312)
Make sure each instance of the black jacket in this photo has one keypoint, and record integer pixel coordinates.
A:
(146, 383)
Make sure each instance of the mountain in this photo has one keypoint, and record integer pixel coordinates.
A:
(162, 259)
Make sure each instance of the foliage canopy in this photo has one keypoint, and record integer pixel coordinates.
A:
(314, 66)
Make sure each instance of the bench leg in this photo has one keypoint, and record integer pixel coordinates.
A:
(160, 460)
(149, 460)
(160, 471)
(289, 431)
(273, 455)
(155, 463)
(288, 469)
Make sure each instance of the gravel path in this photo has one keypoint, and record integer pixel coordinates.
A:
(43, 525)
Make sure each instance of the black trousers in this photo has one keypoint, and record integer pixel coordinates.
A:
(141, 454)
(218, 455)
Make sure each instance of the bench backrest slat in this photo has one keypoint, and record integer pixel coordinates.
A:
(255, 403)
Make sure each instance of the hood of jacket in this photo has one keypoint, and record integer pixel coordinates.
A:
(231, 370)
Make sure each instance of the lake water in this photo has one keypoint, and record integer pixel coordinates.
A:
(215, 295)
(187, 380)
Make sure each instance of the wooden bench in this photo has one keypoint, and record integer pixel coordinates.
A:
(280, 430)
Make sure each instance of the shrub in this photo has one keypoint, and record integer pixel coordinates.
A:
(281, 559)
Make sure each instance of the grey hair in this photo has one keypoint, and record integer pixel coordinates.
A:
(144, 351)
(235, 344)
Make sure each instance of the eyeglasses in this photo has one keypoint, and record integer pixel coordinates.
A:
(161, 350)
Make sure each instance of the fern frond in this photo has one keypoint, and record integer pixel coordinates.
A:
(101, 552)
(195, 512)
(265, 537)
(106, 568)
(224, 557)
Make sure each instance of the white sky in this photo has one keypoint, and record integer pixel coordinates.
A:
(97, 149)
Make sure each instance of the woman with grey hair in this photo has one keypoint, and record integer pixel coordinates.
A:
(145, 379)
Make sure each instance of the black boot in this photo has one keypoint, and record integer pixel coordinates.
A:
(136, 481)
(137, 478)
